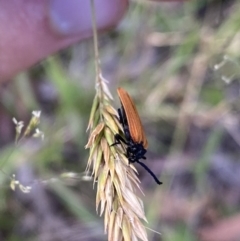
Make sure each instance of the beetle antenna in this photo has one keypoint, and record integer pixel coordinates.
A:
(150, 172)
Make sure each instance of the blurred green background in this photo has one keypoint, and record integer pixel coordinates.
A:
(180, 63)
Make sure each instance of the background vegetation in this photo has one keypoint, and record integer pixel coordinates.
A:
(180, 63)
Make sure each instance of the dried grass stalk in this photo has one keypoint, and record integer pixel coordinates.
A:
(116, 179)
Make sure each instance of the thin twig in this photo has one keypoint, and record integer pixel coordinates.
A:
(96, 51)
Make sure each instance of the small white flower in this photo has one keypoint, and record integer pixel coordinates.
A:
(14, 120)
(69, 175)
(226, 79)
(19, 125)
(25, 189)
(14, 183)
(36, 113)
(38, 133)
(87, 178)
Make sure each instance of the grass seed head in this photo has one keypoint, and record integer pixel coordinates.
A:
(116, 179)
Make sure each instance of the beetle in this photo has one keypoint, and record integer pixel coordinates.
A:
(134, 135)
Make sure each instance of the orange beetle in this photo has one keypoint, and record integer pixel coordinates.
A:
(135, 138)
